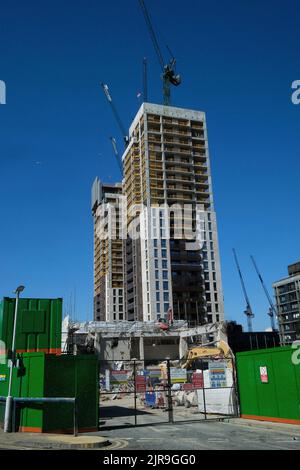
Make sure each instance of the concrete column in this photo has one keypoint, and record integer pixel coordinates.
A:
(142, 354)
(183, 347)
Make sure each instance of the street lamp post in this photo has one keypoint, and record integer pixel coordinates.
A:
(9, 398)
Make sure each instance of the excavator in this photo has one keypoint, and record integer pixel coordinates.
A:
(220, 351)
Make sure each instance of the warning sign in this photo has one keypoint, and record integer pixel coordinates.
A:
(263, 370)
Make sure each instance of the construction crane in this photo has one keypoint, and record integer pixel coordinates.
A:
(248, 312)
(115, 113)
(169, 75)
(145, 80)
(272, 310)
(117, 155)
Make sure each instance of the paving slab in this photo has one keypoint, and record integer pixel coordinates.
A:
(52, 441)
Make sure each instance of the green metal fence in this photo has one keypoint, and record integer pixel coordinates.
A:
(269, 384)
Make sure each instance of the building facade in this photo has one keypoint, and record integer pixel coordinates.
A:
(287, 294)
(174, 262)
(108, 252)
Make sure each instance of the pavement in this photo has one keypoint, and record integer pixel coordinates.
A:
(28, 441)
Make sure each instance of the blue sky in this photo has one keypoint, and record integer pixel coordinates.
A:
(237, 60)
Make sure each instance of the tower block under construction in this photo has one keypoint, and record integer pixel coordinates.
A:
(172, 267)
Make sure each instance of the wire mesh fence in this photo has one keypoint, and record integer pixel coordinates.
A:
(142, 392)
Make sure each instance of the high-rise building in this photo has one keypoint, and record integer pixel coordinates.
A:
(174, 264)
(287, 294)
(108, 252)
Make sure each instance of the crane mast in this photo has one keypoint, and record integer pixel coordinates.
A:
(272, 310)
(169, 75)
(248, 312)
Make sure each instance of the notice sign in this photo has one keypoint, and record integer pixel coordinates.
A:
(140, 381)
(2, 378)
(263, 370)
(217, 374)
(118, 377)
(178, 375)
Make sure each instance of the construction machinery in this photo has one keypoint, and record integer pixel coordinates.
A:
(248, 312)
(120, 125)
(220, 350)
(117, 155)
(169, 75)
(272, 310)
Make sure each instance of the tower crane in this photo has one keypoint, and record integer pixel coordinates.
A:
(117, 155)
(248, 312)
(145, 80)
(169, 75)
(115, 113)
(272, 310)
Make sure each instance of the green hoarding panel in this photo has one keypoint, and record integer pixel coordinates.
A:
(46, 375)
(38, 325)
(269, 384)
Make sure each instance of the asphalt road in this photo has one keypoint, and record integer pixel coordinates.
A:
(212, 435)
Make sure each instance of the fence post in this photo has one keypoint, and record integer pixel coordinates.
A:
(75, 418)
(203, 390)
(169, 385)
(135, 411)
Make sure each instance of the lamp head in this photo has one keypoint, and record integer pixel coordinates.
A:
(19, 289)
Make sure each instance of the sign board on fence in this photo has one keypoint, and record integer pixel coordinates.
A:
(178, 375)
(118, 377)
(217, 374)
(140, 383)
(263, 370)
(197, 379)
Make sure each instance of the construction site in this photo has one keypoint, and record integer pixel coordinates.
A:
(158, 348)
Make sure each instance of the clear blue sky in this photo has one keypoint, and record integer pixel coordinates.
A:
(237, 59)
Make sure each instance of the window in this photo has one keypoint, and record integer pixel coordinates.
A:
(166, 307)
(156, 274)
(163, 243)
(158, 308)
(165, 285)
(164, 264)
(213, 266)
(157, 285)
(163, 253)
(155, 243)
(155, 252)
(216, 297)
(156, 263)
(157, 297)
(165, 274)
(166, 296)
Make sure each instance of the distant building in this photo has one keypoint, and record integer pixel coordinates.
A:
(287, 294)
(240, 340)
(108, 254)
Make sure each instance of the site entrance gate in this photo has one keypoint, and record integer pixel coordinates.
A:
(136, 392)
